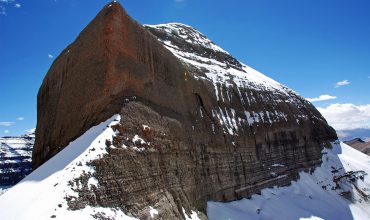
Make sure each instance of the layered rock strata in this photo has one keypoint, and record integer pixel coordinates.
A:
(196, 124)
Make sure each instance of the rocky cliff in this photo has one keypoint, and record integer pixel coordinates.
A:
(196, 124)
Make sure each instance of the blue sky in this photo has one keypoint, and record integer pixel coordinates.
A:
(308, 45)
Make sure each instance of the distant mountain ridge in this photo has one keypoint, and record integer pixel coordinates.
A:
(359, 145)
(362, 133)
(15, 159)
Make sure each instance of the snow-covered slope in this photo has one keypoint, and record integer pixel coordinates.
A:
(339, 189)
(42, 194)
(220, 65)
(15, 159)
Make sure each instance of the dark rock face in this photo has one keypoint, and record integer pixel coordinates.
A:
(196, 124)
(15, 159)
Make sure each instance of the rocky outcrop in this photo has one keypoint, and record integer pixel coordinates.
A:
(359, 145)
(15, 159)
(196, 124)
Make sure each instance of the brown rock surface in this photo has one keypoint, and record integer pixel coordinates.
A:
(113, 59)
(196, 147)
(359, 145)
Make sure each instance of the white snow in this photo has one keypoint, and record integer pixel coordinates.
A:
(193, 215)
(277, 165)
(145, 127)
(152, 211)
(307, 198)
(138, 141)
(137, 138)
(184, 31)
(217, 72)
(41, 194)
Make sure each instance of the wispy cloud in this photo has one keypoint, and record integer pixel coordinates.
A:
(347, 116)
(322, 98)
(342, 83)
(6, 131)
(17, 5)
(6, 123)
(20, 118)
(3, 3)
(2, 10)
(50, 56)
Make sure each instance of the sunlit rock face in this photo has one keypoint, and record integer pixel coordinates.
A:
(196, 124)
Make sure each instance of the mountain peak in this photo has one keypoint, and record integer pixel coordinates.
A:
(112, 59)
(189, 34)
(195, 123)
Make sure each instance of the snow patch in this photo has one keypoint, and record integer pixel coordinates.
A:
(193, 215)
(153, 211)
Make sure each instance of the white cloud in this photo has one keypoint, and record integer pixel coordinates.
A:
(17, 5)
(321, 98)
(6, 131)
(50, 56)
(347, 116)
(6, 123)
(342, 83)
(20, 118)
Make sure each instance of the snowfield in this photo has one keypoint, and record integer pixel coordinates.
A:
(317, 196)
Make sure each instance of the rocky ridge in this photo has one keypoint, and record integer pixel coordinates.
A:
(196, 124)
(359, 145)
